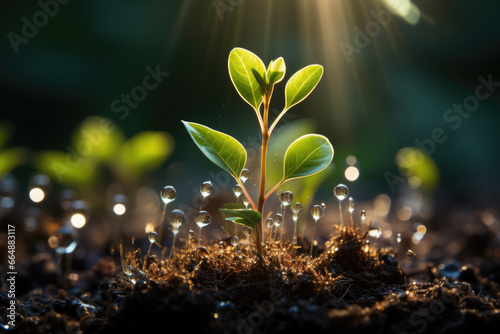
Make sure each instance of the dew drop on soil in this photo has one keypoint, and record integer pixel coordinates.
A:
(341, 191)
(269, 222)
(350, 205)
(168, 194)
(176, 219)
(206, 188)
(201, 253)
(235, 240)
(152, 237)
(317, 212)
(277, 219)
(286, 198)
(247, 231)
(202, 218)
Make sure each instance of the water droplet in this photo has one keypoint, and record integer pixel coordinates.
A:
(128, 270)
(176, 220)
(278, 219)
(297, 208)
(247, 231)
(235, 240)
(168, 194)
(410, 253)
(341, 191)
(191, 233)
(245, 201)
(375, 232)
(245, 175)
(286, 198)
(363, 216)
(201, 253)
(206, 188)
(152, 237)
(269, 222)
(399, 238)
(317, 212)
(63, 240)
(350, 205)
(237, 191)
(202, 218)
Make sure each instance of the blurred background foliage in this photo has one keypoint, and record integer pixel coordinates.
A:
(395, 90)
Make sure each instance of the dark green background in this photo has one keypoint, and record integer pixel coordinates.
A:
(395, 91)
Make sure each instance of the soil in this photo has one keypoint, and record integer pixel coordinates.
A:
(349, 286)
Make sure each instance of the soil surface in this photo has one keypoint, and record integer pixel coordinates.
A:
(348, 286)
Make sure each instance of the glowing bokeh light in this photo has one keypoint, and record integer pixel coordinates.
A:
(78, 220)
(37, 195)
(351, 173)
(119, 209)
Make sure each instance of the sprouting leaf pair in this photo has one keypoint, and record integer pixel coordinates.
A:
(307, 155)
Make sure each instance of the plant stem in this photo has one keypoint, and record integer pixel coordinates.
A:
(263, 161)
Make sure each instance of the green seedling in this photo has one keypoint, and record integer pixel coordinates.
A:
(306, 156)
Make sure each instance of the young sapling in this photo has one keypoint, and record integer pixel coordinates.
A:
(307, 155)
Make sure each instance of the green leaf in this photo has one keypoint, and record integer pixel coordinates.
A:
(237, 213)
(11, 158)
(223, 150)
(276, 71)
(143, 152)
(240, 64)
(97, 137)
(261, 80)
(301, 84)
(66, 169)
(307, 155)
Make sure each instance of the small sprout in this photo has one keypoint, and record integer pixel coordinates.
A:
(307, 155)
(244, 175)
(202, 219)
